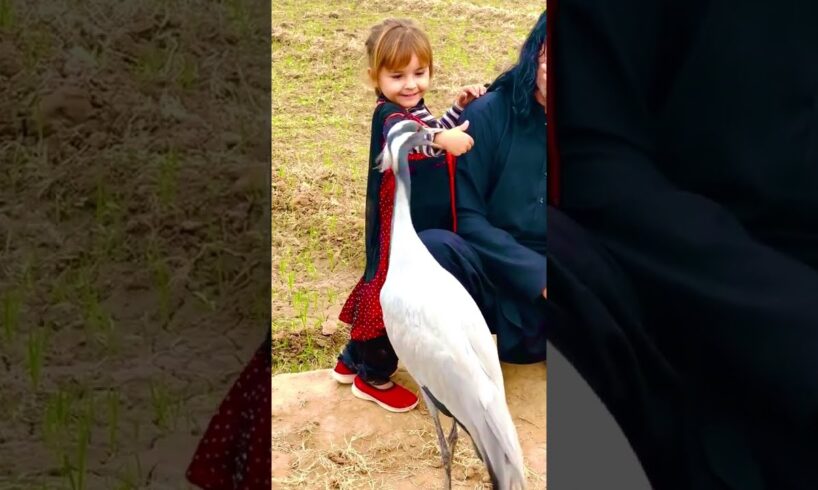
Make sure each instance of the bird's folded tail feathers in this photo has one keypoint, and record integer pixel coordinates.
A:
(500, 447)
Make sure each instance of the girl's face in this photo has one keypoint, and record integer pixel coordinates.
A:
(404, 87)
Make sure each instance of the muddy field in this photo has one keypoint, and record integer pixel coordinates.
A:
(132, 218)
(133, 210)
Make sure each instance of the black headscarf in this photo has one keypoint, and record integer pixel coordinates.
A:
(521, 79)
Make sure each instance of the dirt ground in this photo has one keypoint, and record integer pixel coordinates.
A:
(132, 225)
(324, 437)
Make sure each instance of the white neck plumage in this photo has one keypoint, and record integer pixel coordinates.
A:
(404, 238)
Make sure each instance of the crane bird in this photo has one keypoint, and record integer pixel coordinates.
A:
(438, 332)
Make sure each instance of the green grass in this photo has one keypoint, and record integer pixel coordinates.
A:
(37, 338)
(166, 406)
(320, 126)
(7, 14)
(67, 431)
(12, 304)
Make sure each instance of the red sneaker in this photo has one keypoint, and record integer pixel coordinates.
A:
(343, 374)
(395, 399)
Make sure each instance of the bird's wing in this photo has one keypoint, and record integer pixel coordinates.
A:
(439, 320)
(468, 316)
(433, 348)
(434, 351)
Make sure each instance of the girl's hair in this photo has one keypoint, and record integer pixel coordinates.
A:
(391, 45)
(521, 79)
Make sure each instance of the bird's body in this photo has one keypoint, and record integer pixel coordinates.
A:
(440, 335)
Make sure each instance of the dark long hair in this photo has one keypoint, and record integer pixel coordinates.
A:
(521, 79)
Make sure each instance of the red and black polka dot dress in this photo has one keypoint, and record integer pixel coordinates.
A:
(362, 309)
(234, 453)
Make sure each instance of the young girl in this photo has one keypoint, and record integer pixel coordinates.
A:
(400, 68)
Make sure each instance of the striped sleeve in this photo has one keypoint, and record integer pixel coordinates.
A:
(448, 121)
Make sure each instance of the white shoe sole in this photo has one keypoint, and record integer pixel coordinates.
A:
(363, 396)
(344, 379)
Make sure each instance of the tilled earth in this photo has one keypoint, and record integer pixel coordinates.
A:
(134, 152)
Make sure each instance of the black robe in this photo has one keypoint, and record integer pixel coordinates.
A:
(688, 156)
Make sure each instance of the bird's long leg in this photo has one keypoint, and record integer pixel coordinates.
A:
(445, 455)
(452, 439)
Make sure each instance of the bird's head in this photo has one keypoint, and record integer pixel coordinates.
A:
(404, 136)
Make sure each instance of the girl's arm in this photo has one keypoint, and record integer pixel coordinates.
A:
(448, 121)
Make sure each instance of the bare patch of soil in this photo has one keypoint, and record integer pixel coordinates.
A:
(324, 437)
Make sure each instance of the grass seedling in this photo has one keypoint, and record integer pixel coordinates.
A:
(312, 271)
(36, 47)
(108, 216)
(34, 359)
(313, 296)
(103, 205)
(77, 473)
(283, 265)
(150, 65)
(7, 17)
(301, 303)
(55, 421)
(188, 75)
(165, 408)
(99, 324)
(239, 16)
(160, 403)
(161, 278)
(290, 281)
(166, 185)
(302, 312)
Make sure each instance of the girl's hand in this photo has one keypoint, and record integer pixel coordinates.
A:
(468, 94)
(455, 140)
